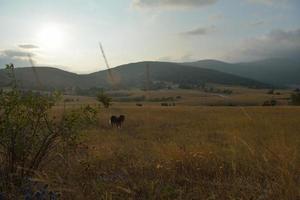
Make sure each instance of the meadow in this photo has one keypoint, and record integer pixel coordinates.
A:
(185, 152)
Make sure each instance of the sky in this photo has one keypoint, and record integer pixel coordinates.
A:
(66, 33)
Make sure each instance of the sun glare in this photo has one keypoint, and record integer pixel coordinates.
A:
(51, 36)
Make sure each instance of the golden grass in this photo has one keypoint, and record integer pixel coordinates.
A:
(187, 152)
(240, 96)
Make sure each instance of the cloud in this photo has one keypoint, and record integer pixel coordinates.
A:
(216, 17)
(16, 53)
(187, 57)
(17, 62)
(165, 59)
(276, 44)
(199, 31)
(257, 23)
(172, 3)
(18, 58)
(28, 46)
(268, 2)
(263, 1)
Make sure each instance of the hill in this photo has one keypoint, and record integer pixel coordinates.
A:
(134, 75)
(280, 72)
(131, 75)
(50, 78)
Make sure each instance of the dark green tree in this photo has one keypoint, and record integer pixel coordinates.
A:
(295, 97)
(104, 99)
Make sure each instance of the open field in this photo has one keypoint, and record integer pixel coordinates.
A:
(186, 152)
(240, 97)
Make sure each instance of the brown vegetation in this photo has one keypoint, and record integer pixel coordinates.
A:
(181, 152)
(189, 153)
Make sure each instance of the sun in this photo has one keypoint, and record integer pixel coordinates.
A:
(51, 36)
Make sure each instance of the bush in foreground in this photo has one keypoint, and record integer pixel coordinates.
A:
(30, 136)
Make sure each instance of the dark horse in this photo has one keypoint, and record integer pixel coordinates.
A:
(117, 121)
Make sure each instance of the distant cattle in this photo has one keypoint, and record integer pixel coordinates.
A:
(117, 121)
(168, 104)
(139, 104)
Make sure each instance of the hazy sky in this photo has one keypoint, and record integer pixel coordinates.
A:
(66, 32)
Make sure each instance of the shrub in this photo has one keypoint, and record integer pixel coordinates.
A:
(130, 99)
(69, 100)
(271, 91)
(104, 99)
(29, 134)
(272, 102)
(162, 99)
(295, 99)
(227, 91)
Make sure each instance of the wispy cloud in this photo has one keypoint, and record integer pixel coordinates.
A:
(17, 57)
(187, 57)
(16, 53)
(257, 23)
(268, 2)
(216, 17)
(172, 3)
(200, 31)
(28, 46)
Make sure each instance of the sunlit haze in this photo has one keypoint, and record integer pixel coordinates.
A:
(65, 33)
(51, 36)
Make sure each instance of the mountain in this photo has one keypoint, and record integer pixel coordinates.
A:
(134, 74)
(276, 71)
(131, 75)
(49, 78)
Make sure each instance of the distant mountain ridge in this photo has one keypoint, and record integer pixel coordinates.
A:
(275, 71)
(131, 75)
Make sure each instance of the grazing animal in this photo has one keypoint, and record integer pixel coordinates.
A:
(117, 121)
(139, 104)
(113, 120)
(121, 120)
(168, 104)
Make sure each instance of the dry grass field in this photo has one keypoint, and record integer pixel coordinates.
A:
(187, 152)
(239, 96)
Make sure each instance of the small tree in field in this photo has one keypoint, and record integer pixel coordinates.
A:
(296, 98)
(104, 99)
(271, 91)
